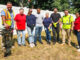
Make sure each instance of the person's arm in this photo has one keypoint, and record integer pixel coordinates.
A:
(50, 26)
(50, 23)
(15, 22)
(58, 21)
(72, 22)
(78, 30)
(15, 25)
(3, 15)
(61, 23)
(43, 21)
(79, 23)
(34, 20)
(72, 26)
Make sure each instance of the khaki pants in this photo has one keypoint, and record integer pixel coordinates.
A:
(64, 33)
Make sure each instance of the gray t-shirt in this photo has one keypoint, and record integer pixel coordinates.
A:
(39, 19)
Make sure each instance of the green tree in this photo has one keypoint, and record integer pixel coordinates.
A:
(77, 4)
(72, 5)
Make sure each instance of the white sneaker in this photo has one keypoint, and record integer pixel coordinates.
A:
(32, 45)
(78, 50)
(3, 48)
(13, 47)
(78, 47)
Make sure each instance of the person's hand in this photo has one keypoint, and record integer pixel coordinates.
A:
(48, 27)
(15, 28)
(78, 30)
(60, 26)
(6, 25)
(71, 29)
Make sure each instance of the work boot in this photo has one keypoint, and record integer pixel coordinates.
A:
(41, 42)
(63, 44)
(69, 44)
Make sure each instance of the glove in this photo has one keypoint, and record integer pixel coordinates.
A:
(55, 24)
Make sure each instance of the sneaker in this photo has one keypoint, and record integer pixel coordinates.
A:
(63, 44)
(49, 42)
(13, 47)
(41, 42)
(3, 48)
(54, 43)
(19, 44)
(69, 44)
(78, 50)
(24, 45)
(77, 47)
(7, 54)
(35, 44)
(2, 44)
(32, 45)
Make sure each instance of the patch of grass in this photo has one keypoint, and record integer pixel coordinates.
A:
(43, 52)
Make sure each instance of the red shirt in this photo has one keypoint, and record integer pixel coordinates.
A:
(20, 21)
(77, 24)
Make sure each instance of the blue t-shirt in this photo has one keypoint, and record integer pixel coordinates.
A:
(47, 22)
(12, 17)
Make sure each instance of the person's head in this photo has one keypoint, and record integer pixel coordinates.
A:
(21, 11)
(30, 11)
(55, 10)
(66, 12)
(38, 10)
(47, 15)
(29, 0)
(77, 14)
(9, 5)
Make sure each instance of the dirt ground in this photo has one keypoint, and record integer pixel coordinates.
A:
(43, 52)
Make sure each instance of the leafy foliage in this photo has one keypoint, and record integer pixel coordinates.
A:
(72, 5)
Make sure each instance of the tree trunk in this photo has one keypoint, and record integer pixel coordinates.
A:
(21, 3)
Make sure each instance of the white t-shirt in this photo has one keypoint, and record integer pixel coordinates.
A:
(39, 19)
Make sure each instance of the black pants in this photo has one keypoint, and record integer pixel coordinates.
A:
(55, 32)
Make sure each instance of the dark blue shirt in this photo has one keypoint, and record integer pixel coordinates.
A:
(31, 20)
(47, 22)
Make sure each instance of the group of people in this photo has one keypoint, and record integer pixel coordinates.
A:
(35, 23)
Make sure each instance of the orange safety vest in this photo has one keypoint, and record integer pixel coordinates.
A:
(8, 17)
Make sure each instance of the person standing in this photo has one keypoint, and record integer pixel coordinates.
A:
(39, 24)
(31, 21)
(77, 29)
(67, 26)
(8, 22)
(47, 22)
(55, 25)
(20, 26)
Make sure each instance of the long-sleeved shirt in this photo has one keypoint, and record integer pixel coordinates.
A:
(31, 20)
(47, 22)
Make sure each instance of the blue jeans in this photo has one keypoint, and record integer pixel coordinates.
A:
(38, 31)
(48, 34)
(78, 36)
(31, 34)
(21, 42)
